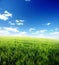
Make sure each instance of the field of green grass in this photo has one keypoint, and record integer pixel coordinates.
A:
(28, 51)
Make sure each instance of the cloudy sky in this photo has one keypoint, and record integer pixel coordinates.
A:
(35, 18)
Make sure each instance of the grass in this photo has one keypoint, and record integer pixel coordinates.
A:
(28, 51)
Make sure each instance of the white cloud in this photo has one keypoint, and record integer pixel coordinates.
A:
(31, 29)
(6, 13)
(51, 35)
(11, 29)
(27, 0)
(19, 22)
(40, 32)
(48, 24)
(11, 23)
(43, 31)
(55, 33)
(23, 33)
(8, 31)
(4, 31)
(45, 34)
(5, 16)
(40, 36)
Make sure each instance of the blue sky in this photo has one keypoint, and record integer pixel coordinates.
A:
(36, 18)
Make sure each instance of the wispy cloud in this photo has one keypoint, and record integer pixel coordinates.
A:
(31, 29)
(5, 16)
(16, 22)
(40, 32)
(47, 24)
(11, 23)
(19, 22)
(56, 29)
(43, 31)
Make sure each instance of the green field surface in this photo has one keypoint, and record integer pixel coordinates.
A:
(28, 51)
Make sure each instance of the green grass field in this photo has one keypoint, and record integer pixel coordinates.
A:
(28, 51)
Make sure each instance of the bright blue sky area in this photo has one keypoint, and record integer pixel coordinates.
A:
(37, 16)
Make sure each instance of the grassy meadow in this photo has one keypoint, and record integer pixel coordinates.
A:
(28, 51)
